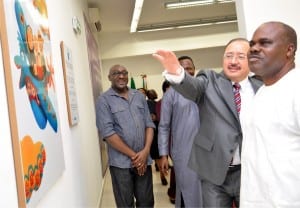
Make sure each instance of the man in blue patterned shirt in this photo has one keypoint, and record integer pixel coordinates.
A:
(124, 122)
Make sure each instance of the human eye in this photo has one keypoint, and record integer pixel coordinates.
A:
(124, 73)
(228, 55)
(251, 43)
(265, 42)
(115, 73)
(242, 56)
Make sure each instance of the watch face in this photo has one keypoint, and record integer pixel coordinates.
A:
(76, 25)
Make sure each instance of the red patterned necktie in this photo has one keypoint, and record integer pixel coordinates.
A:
(237, 96)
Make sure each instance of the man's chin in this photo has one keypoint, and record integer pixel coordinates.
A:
(253, 68)
(233, 74)
(121, 86)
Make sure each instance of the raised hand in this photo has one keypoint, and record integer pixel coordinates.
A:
(169, 61)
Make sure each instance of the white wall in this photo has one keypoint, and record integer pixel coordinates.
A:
(252, 13)
(81, 183)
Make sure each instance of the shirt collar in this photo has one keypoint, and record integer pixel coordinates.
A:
(243, 83)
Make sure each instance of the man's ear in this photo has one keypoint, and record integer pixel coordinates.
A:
(291, 50)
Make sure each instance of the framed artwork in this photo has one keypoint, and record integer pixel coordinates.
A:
(95, 73)
(32, 100)
(7, 172)
(70, 88)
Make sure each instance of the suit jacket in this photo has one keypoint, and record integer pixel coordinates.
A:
(220, 130)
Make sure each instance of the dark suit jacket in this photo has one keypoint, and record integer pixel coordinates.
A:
(220, 130)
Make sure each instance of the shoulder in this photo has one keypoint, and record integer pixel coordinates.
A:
(171, 96)
(296, 71)
(208, 74)
(104, 96)
(133, 90)
(256, 80)
(108, 93)
(293, 77)
(169, 93)
(136, 93)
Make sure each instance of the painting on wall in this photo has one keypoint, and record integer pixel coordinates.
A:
(95, 72)
(33, 112)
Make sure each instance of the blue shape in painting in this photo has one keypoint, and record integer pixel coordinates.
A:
(34, 73)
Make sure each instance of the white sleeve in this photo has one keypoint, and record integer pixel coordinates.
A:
(174, 79)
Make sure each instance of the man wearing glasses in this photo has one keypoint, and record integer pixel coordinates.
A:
(124, 122)
(221, 97)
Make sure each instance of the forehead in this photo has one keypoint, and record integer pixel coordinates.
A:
(237, 47)
(186, 61)
(118, 68)
(268, 31)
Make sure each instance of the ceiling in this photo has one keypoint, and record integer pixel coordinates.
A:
(205, 44)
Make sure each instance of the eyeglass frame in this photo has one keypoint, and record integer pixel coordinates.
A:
(239, 56)
(119, 73)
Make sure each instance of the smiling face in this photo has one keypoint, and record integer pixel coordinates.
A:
(235, 63)
(118, 76)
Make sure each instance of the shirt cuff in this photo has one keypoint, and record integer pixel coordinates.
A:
(174, 78)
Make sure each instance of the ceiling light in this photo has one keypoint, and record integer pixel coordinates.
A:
(154, 29)
(136, 15)
(189, 23)
(225, 1)
(191, 3)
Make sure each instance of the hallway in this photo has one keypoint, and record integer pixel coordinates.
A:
(160, 192)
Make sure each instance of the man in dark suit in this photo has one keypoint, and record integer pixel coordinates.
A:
(215, 154)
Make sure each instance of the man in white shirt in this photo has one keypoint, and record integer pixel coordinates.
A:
(271, 125)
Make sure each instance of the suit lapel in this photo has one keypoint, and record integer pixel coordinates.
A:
(224, 88)
(256, 84)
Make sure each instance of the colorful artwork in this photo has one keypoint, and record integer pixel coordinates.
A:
(36, 71)
(36, 133)
(34, 159)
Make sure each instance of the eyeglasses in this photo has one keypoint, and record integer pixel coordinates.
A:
(240, 56)
(119, 73)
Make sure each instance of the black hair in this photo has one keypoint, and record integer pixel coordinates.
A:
(165, 85)
(291, 35)
(185, 57)
(151, 94)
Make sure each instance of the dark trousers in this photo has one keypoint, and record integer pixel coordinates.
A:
(226, 194)
(128, 185)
